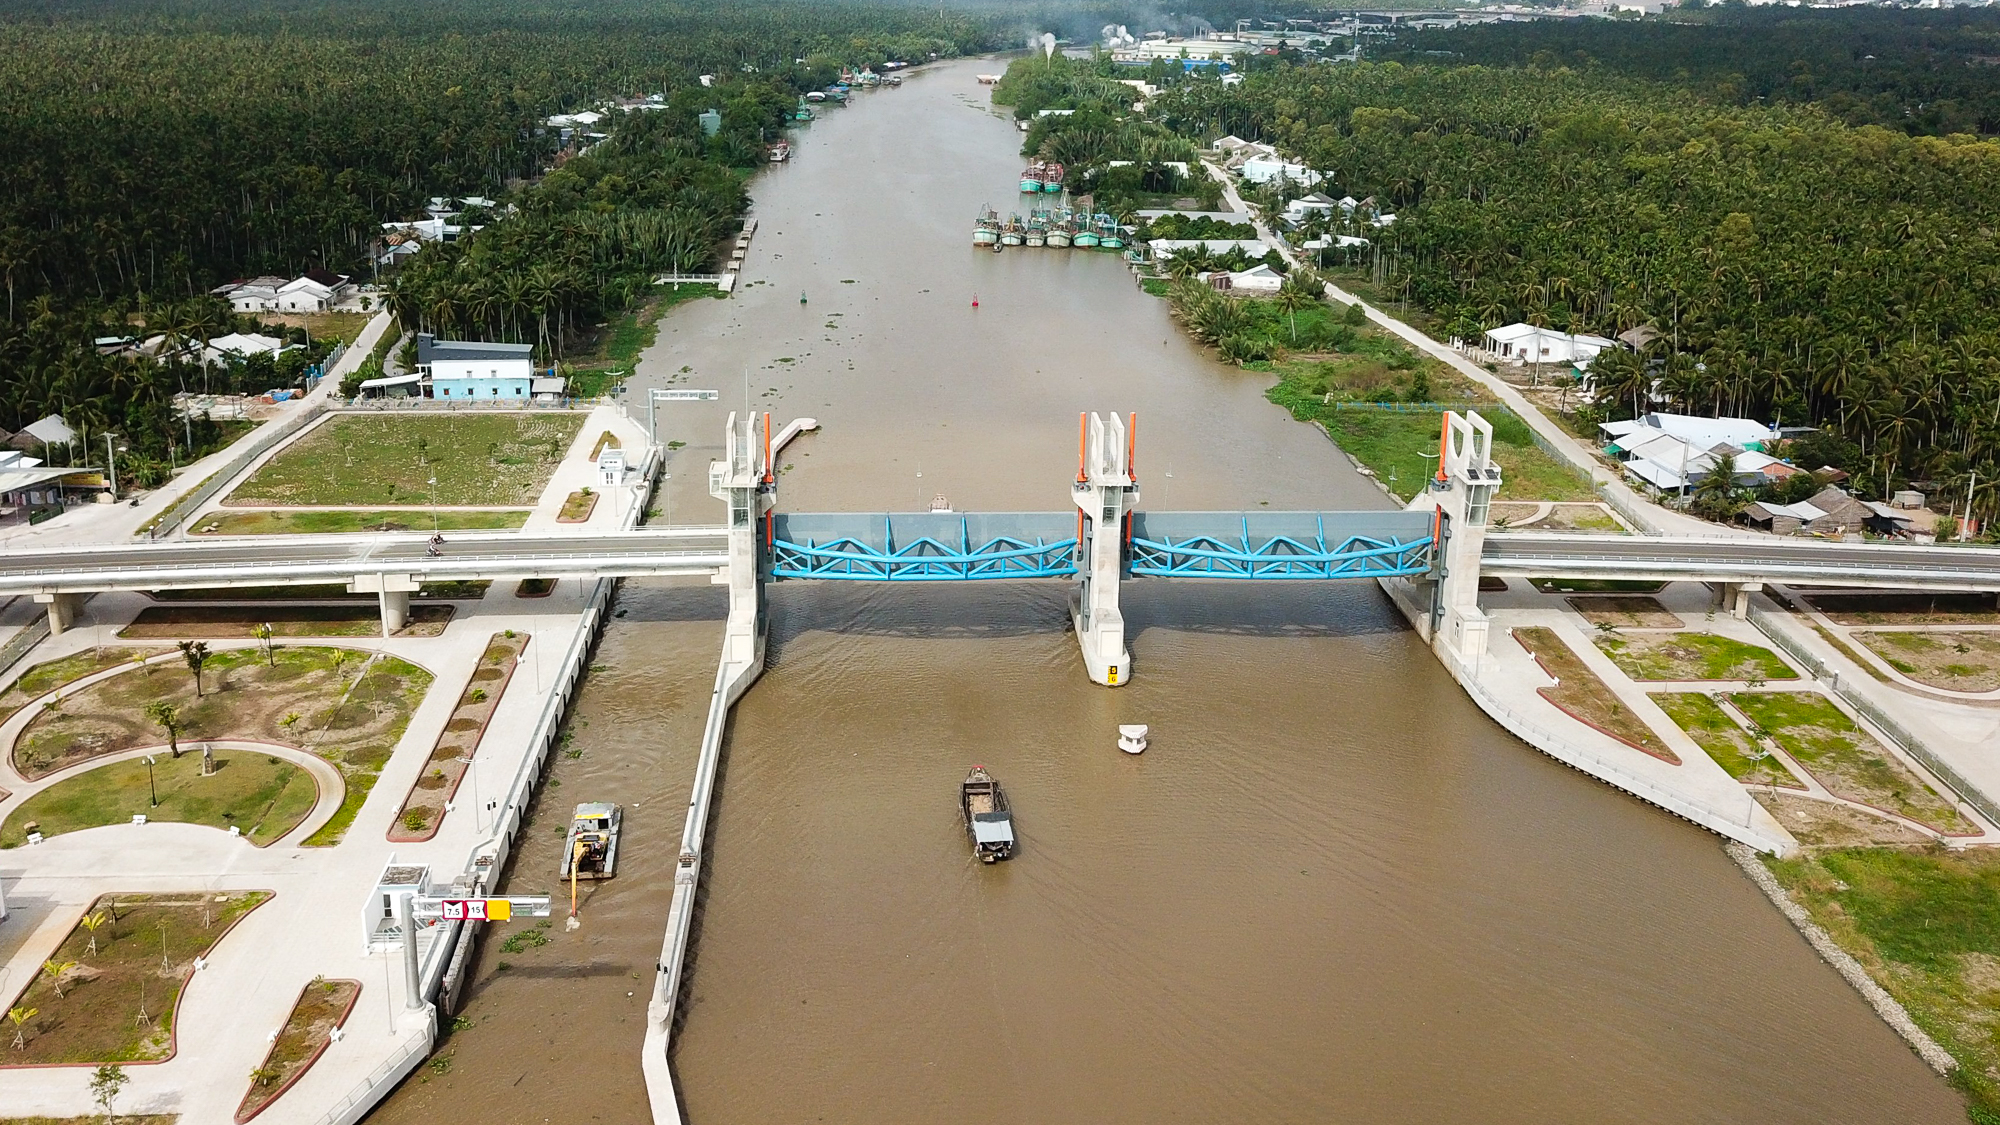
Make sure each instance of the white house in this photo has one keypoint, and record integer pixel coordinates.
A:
(313, 291)
(1707, 433)
(1299, 210)
(237, 345)
(1264, 169)
(1256, 279)
(469, 369)
(257, 294)
(1526, 343)
(1168, 247)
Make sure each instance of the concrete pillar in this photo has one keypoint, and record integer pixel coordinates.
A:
(395, 611)
(1458, 498)
(744, 480)
(1736, 597)
(394, 590)
(62, 610)
(1105, 490)
(406, 917)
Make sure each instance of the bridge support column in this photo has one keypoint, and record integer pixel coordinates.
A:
(1459, 497)
(744, 480)
(394, 592)
(62, 610)
(1105, 491)
(1736, 597)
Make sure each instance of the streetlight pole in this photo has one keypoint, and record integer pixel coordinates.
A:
(110, 463)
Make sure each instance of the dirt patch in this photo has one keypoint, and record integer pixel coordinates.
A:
(1968, 661)
(1908, 609)
(577, 506)
(146, 946)
(1846, 759)
(1625, 612)
(423, 809)
(322, 1006)
(1580, 694)
(230, 622)
(1823, 824)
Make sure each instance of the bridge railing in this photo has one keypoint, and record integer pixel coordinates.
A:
(1775, 627)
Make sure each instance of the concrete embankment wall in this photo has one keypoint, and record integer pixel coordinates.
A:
(1728, 823)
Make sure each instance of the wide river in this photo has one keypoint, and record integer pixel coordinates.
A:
(1331, 891)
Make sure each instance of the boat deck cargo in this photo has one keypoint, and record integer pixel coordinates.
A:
(989, 821)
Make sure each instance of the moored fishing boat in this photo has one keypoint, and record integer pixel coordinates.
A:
(989, 820)
(780, 152)
(986, 228)
(1085, 236)
(1038, 228)
(1031, 177)
(1060, 232)
(1052, 177)
(1110, 235)
(1015, 232)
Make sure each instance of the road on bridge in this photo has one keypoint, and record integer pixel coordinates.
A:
(1793, 561)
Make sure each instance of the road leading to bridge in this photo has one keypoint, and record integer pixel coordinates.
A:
(1801, 562)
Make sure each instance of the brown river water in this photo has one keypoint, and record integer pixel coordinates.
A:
(1331, 891)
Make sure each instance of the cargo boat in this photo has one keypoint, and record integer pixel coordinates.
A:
(593, 841)
(989, 822)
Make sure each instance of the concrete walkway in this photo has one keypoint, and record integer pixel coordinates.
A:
(316, 923)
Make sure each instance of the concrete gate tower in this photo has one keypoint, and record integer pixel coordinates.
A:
(1106, 489)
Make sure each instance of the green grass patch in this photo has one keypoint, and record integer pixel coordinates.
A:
(363, 459)
(1955, 661)
(1845, 758)
(145, 947)
(346, 706)
(52, 674)
(264, 795)
(1732, 747)
(321, 521)
(1580, 693)
(1847, 650)
(1157, 286)
(606, 362)
(1693, 656)
(1926, 926)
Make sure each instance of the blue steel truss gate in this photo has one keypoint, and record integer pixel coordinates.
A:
(923, 546)
(1280, 545)
(950, 547)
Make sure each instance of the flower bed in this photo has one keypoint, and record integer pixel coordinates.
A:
(322, 1006)
(424, 808)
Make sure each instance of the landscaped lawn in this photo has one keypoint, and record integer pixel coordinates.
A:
(1692, 656)
(359, 459)
(322, 1006)
(97, 1019)
(1845, 758)
(351, 708)
(343, 522)
(49, 675)
(238, 621)
(1968, 661)
(1728, 743)
(1579, 692)
(1926, 926)
(263, 795)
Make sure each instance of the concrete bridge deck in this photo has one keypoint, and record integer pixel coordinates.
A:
(1800, 562)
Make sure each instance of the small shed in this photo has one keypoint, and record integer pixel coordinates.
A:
(611, 468)
(548, 388)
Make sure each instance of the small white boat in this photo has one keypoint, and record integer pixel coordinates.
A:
(1132, 738)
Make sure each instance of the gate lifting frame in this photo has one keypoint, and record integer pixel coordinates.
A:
(924, 560)
(1281, 556)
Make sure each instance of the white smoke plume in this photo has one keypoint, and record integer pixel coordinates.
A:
(1048, 45)
(1116, 35)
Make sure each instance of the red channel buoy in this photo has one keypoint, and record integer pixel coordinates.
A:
(975, 300)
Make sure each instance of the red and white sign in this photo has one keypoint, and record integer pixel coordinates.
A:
(464, 910)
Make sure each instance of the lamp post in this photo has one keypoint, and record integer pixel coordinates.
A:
(150, 787)
(110, 463)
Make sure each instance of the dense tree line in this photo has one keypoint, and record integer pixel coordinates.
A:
(1795, 267)
(1925, 71)
(154, 151)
